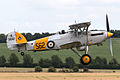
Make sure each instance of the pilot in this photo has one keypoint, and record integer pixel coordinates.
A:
(63, 31)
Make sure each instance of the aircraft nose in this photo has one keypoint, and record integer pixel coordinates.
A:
(109, 34)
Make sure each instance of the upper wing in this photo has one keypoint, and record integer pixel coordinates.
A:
(80, 25)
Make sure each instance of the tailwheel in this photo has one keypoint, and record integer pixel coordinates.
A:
(22, 53)
(85, 59)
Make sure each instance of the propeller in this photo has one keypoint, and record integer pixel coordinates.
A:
(109, 34)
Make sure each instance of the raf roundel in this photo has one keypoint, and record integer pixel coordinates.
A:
(50, 44)
(19, 38)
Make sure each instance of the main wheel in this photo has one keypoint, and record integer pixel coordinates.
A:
(22, 53)
(86, 59)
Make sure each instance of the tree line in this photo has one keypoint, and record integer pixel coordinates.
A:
(55, 61)
(30, 36)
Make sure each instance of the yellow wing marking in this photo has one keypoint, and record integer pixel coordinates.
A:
(40, 44)
(20, 38)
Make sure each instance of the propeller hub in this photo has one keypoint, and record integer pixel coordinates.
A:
(109, 34)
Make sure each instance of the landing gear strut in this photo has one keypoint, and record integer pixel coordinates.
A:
(85, 59)
(22, 53)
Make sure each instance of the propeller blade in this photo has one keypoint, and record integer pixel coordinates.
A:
(110, 45)
(107, 23)
(108, 30)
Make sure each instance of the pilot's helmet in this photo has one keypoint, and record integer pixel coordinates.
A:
(63, 31)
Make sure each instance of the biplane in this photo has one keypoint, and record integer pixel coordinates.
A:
(77, 37)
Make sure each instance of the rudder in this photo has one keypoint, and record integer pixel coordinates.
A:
(15, 38)
(20, 39)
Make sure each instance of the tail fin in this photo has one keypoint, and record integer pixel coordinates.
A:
(20, 39)
(15, 38)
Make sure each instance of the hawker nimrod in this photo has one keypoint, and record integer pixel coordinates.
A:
(78, 37)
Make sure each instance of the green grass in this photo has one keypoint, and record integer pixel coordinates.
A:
(102, 51)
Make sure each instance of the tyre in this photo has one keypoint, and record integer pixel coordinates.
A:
(22, 53)
(85, 59)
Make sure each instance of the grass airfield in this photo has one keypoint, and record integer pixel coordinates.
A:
(29, 74)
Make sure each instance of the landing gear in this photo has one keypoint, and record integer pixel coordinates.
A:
(85, 59)
(22, 53)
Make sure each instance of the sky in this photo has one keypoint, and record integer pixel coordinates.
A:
(37, 16)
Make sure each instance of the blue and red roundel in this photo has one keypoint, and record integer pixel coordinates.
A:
(50, 44)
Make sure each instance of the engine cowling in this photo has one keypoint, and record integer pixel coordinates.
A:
(81, 48)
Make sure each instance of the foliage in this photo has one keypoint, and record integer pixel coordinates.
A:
(69, 61)
(56, 61)
(51, 69)
(13, 59)
(99, 61)
(104, 60)
(116, 33)
(75, 69)
(2, 61)
(65, 70)
(85, 70)
(38, 69)
(45, 63)
(30, 37)
(27, 60)
(2, 38)
(113, 61)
